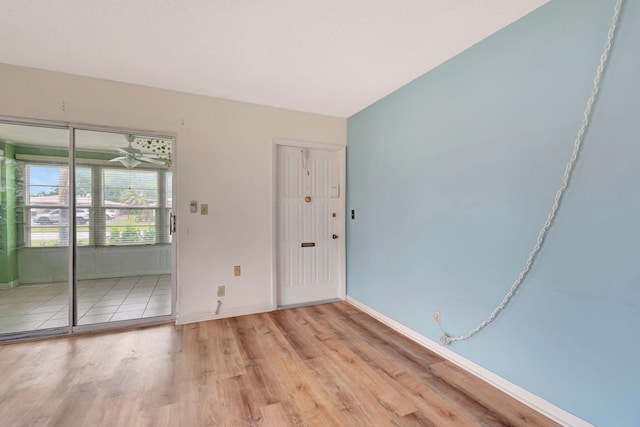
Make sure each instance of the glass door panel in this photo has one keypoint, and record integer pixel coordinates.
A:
(34, 229)
(123, 252)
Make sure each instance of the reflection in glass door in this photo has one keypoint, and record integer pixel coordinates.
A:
(104, 255)
(34, 229)
(123, 251)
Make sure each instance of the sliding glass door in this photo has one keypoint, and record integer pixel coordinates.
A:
(124, 257)
(87, 246)
(34, 228)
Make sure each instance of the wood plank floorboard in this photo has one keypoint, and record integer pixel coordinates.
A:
(324, 365)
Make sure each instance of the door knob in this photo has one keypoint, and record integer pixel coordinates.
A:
(335, 236)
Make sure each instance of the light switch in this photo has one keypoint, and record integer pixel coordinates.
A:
(236, 270)
(204, 209)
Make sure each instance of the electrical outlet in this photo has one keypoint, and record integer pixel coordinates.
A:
(436, 317)
(236, 270)
(221, 290)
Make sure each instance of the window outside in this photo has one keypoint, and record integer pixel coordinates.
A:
(128, 213)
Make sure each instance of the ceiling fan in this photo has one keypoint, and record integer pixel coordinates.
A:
(132, 157)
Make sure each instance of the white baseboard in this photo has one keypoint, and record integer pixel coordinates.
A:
(553, 412)
(224, 313)
(10, 285)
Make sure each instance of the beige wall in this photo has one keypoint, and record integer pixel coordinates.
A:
(223, 158)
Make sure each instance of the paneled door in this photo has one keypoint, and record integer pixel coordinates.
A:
(310, 212)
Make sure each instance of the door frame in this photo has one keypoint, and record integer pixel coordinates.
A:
(342, 161)
(105, 326)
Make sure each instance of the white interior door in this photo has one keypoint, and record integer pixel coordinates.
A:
(310, 213)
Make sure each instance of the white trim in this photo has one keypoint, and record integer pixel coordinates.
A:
(66, 125)
(174, 236)
(274, 225)
(342, 249)
(10, 285)
(204, 316)
(121, 324)
(546, 408)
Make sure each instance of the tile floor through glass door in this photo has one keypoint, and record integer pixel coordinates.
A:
(45, 305)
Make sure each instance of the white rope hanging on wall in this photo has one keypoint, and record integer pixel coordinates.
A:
(446, 339)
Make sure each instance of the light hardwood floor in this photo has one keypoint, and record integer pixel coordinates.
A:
(325, 365)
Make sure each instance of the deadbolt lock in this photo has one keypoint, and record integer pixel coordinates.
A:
(307, 199)
(335, 236)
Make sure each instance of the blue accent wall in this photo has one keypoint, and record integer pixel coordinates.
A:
(452, 177)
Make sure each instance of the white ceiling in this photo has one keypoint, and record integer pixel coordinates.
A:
(332, 57)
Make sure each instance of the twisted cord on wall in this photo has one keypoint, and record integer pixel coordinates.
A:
(446, 339)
